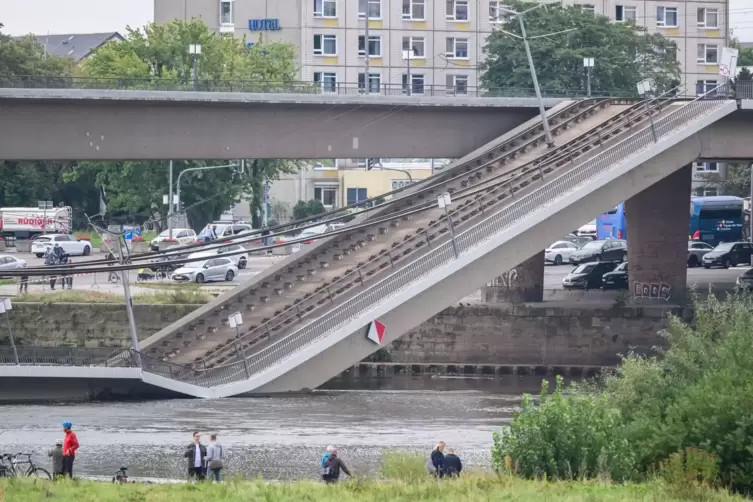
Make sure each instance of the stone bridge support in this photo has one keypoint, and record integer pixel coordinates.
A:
(521, 284)
(657, 231)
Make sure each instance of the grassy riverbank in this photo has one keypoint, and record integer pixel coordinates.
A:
(476, 488)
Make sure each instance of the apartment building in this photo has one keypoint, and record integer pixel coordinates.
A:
(430, 46)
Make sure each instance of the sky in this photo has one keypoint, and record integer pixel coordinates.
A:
(90, 16)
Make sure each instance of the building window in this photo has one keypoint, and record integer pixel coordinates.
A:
(356, 195)
(707, 191)
(625, 13)
(326, 164)
(226, 13)
(708, 18)
(417, 43)
(373, 6)
(704, 86)
(586, 7)
(666, 17)
(496, 12)
(457, 10)
(457, 85)
(708, 54)
(326, 80)
(325, 45)
(398, 184)
(326, 195)
(375, 82)
(414, 10)
(325, 8)
(375, 46)
(706, 167)
(417, 83)
(457, 48)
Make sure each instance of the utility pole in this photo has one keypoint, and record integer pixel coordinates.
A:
(129, 305)
(588, 63)
(195, 51)
(170, 202)
(523, 36)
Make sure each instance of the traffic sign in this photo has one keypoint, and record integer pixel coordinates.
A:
(376, 332)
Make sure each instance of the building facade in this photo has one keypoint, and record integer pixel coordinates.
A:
(434, 46)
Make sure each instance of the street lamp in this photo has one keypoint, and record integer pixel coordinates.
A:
(443, 201)
(195, 51)
(203, 168)
(408, 55)
(235, 321)
(588, 63)
(5, 307)
(646, 88)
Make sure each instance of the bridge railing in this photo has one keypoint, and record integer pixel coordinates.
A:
(67, 356)
(290, 87)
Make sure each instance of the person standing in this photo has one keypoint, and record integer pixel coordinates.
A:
(50, 261)
(56, 454)
(437, 460)
(326, 454)
(215, 454)
(68, 279)
(452, 464)
(196, 453)
(70, 446)
(332, 467)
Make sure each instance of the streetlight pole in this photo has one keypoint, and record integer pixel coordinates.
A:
(195, 51)
(192, 169)
(6, 306)
(129, 305)
(444, 200)
(234, 321)
(588, 63)
(366, 79)
(170, 203)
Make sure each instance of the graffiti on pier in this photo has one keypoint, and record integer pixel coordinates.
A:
(505, 280)
(655, 290)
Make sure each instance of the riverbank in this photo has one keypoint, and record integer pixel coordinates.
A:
(483, 487)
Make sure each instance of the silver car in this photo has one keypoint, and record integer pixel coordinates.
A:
(696, 252)
(10, 262)
(214, 269)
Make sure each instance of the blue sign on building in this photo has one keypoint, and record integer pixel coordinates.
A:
(263, 24)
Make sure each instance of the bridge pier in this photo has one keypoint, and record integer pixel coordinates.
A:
(657, 222)
(521, 284)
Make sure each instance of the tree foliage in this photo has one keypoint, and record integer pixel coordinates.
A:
(25, 56)
(305, 209)
(736, 182)
(624, 53)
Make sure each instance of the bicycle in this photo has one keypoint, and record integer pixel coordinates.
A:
(121, 476)
(13, 466)
(113, 278)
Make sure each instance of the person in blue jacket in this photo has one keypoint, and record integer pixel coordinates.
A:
(326, 455)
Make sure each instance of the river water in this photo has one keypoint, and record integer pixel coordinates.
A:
(278, 438)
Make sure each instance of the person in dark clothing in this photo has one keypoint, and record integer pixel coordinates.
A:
(332, 467)
(196, 454)
(437, 459)
(452, 464)
(23, 286)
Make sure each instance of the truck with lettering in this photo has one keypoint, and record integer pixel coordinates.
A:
(28, 222)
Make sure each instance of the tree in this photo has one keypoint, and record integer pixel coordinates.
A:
(745, 56)
(26, 57)
(736, 182)
(625, 53)
(306, 209)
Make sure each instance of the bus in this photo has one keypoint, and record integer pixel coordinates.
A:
(611, 225)
(716, 219)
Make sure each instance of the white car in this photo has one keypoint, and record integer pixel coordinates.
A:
(559, 252)
(10, 262)
(239, 260)
(71, 244)
(214, 269)
(181, 235)
(588, 230)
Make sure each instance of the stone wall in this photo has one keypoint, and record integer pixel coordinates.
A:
(86, 325)
(480, 334)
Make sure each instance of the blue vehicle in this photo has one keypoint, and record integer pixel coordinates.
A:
(611, 225)
(716, 219)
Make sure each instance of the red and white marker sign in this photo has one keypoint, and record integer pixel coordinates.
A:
(376, 332)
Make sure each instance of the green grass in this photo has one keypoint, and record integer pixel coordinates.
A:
(7, 282)
(159, 297)
(475, 488)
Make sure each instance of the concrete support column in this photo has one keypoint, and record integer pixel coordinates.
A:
(657, 231)
(524, 283)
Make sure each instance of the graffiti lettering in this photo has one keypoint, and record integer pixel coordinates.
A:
(661, 291)
(505, 280)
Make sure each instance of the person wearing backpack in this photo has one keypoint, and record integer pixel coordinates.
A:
(332, 467)
(215, 454)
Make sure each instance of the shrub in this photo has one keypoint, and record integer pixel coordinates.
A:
(689, 467)
(577, 436)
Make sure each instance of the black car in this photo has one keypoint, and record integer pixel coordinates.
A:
(602, 250)
(745, 281)
(728, 254)
(588, 275)
(617, 278)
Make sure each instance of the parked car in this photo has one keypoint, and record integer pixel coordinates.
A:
(181, 235)
(602, 250)
(70, 243)
(745, 281)
(559, 252)
(728, 254)
(617, 278)
(587, 230)
(215, 269)
(588, 275)
(10, 262)
(696, 251)
(240, 260)
(230, 229)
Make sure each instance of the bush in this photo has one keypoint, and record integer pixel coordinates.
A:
(564, 437)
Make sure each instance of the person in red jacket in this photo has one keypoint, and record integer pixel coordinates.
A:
(70, 445)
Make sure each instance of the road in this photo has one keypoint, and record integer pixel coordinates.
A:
(698, 278)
